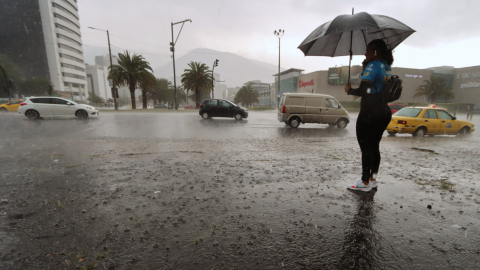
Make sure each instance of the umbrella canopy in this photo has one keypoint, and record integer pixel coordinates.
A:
(335, 38)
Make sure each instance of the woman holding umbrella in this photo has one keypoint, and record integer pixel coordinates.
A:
(352, 35)
(375, 115)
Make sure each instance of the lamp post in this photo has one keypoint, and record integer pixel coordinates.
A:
(172, 49)
(215, 64)
(114, 90)
(278, 34)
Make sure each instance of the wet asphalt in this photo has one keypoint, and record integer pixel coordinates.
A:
(168, 190)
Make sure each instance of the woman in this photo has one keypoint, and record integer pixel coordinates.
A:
(375, 115)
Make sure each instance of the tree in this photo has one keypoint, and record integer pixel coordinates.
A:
(434, 88)
(247, 95)
(35, 86)
(197, 78)
(94, 99)
(147, 83)
(130, 71)
(14, 73)
(162, 91)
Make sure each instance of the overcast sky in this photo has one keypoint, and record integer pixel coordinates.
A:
(448, 32)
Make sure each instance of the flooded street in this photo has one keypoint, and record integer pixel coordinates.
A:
(168, 190)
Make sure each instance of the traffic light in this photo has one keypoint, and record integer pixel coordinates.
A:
(216, 63)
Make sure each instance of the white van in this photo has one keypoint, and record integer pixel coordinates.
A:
(296, 108)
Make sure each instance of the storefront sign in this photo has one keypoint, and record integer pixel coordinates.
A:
(468, 75)
(413, 76)
(304, 84)
(470, 85)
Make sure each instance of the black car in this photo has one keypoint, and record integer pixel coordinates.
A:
(221, 108)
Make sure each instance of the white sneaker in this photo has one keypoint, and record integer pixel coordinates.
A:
(373, 184)
(359, 185)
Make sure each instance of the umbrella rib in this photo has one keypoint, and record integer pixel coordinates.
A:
(337, 44)
(364, 37)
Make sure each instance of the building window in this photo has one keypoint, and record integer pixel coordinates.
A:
(66, 29)
(66, 47)
(65, 19)
(60, 36)
(72, 67)
(66, 56)
(65, 74)
(65, 84)
(70, 4)
(55, 5)
(75, 85)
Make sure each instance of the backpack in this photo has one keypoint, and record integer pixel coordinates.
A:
(392, 90)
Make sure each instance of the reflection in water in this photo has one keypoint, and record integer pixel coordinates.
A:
(361, 245)
(222, 122)
(311, 132)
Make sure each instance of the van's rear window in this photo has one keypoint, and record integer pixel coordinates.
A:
(408, 112)
(282, 101)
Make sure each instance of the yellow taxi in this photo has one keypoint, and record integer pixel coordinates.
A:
(11, 106)
(432, 120)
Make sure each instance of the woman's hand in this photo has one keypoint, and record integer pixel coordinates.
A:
(364, 64)
(347, 87)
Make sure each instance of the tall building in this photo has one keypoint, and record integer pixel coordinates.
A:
(264, 92)
(43, 38)
(97, 78)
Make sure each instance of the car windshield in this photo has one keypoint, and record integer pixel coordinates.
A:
(408, 112)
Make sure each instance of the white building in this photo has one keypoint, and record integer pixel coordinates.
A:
(63, 44)
(97, 78)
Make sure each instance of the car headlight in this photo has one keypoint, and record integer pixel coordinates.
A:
(91, 108)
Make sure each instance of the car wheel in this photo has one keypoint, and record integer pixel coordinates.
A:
(205, 115)
(294, 122)
(238, 117)
(3, 110)
(32, 114)
(464, 131)
(420, 132)
(81, 114)
(392, 133)
(342, 123)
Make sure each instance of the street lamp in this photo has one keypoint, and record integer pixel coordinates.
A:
(215, 64)
(278, 34)
(172, 49)
(114, 90)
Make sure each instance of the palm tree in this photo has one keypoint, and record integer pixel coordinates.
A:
(146, 84)
(434, 88)
(247, 95)
(198, 78)
(164, 90)
(130, 71)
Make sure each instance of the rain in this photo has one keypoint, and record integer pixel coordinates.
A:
(153, 177)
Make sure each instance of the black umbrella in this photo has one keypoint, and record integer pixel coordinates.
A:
(350, 35)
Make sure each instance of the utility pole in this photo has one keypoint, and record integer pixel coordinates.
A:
(278, 34)
(114, 90)
(172, 49)
(215, 64)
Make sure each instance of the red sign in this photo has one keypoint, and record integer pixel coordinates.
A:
(304, 84)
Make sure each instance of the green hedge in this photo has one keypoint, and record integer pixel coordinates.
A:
(260, 108)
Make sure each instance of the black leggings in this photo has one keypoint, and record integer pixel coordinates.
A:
(370, 127)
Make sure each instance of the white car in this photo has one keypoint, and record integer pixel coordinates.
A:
(36, 107)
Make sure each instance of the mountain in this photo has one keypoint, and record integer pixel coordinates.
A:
(234, 69)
